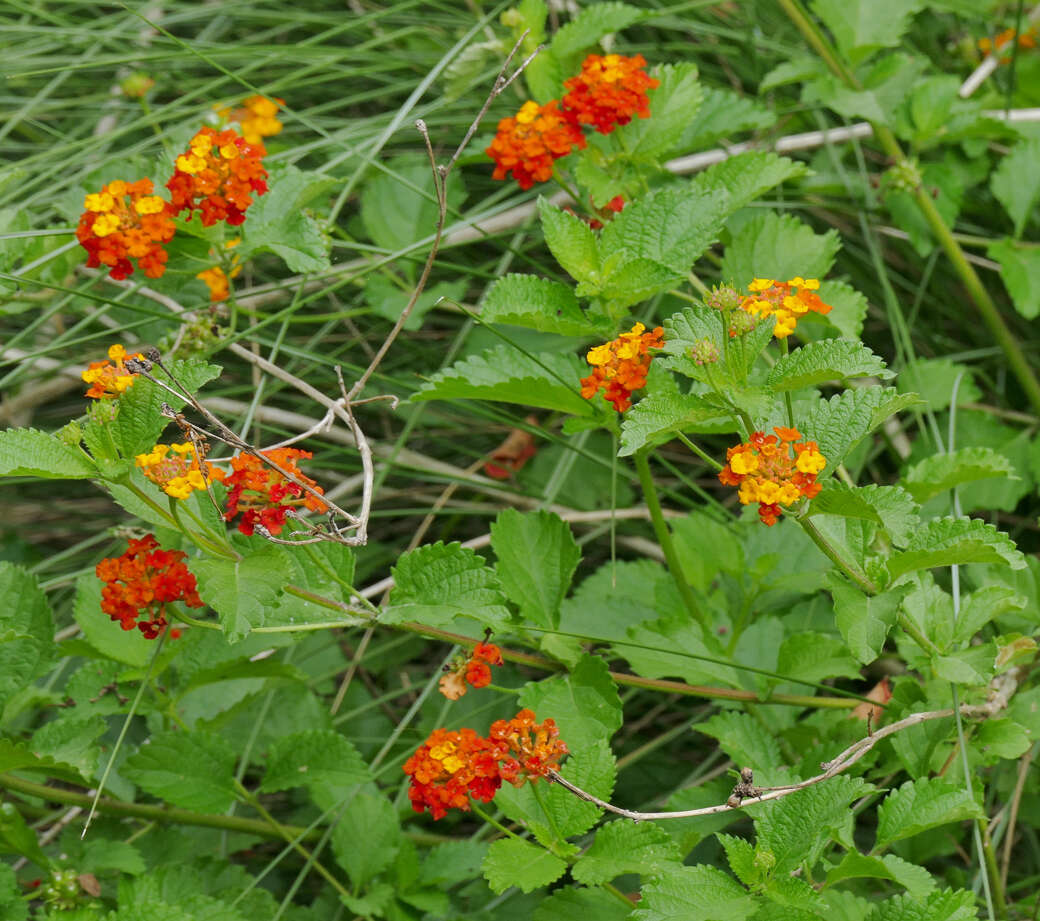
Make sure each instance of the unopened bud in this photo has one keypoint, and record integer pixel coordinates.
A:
(723, 297)
(741, 323)
(136, 85)
(704, 352)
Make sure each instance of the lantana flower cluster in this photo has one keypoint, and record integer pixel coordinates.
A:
(454, 765)
(176, 470)
(474, 670)
(219, 175)
(142, 582)
(619, 367)
(774, 470)
(787, 301)
(262, 495)
(608, 92)
(257, 116)
(108, 379)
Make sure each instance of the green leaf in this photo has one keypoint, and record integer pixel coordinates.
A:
(12, 906)
(628, 280)
(624, 847)
(746, 741)
(367, 836)
(537, 557)
(16, 836)
(659, 415)
(695, 892)
(813, 656)
(538, 303)
(982, 606)
(672, 105)
(193, 769)
(778, 246)
(747, 176)
(861, 27)
(864, 620)
(515, 862)
(892, 507)
(723, 112)
(886, 86)
(917, 881)
(940, 472)
(315, 756)
(26, 631)
(944, 905)
(584, 704)
(827, 360)
(452, 862)
(1020, 272)
(28, 452)
(1016, 182)
(588, 27)
(71, 739)
(919, 805)
(934, 379)
(837, 425)
(953, 541)
(571, 241)
(507, 375)
(241, 591)
(104, 634)
(998, 739)
(436, 583)
(581, 903)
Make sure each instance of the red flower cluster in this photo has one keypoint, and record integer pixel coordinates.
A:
(125, 221)
(766, 472)
(452, 766)
(108, 380)
(217, 176)
(609, 90)
(620, 366)
(262, 495)
(140, 583)
(474, 670)
(528, 143)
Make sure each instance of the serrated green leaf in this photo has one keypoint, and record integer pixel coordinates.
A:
(827, 360)
(16, 757)
(515, 862)
(892, 507)
(571, 241)
(29, 452)
(747, 176)
(367, 836)
(778, 246)
(746, 741)
(241, 591)
(12, 906)
(886, 85)
(944, 905)
(917, 881)
(861, 27)
(740, 855)
(815, 656)
(26, 631)
(72, 739)
(537, 557)
(922, 804)
(1020, 272)
(626, 280)
(584, 704)
(581, 902)
(691, 326)
(953, 541)
(982, 606)
(16, 836)
(539, 303)
(588, 27)
(452, 862)
(723, 112)
(658, 416)
(506, 375)
(672, 105)
(193, 769)
(316, 756)
(436, 583)
(1003, 738)
(973, 666)
(1016, 182)
(623, 847)
(695, 892)
(934, 379)
(940, 472)
(864, 620)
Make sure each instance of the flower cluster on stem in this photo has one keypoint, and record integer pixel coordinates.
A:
(475, 670)
(786, 300)
(126, 221)
(264, 496)
(619, 367)
(108, 379)
(179, 473)
(609, 90)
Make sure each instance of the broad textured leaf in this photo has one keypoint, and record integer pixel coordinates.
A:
(539, 303)
(778, 246)
(917, 881)
(18, 757)
(12, 906)
(72, 739)
(861, 27)
(17, 837)
(1020, 272)
(452, 862)
(864, 620)
(537, 557)
(585, 703)
(721, 113)
(940, 472)
(367, 836)
(944, 905)
(29, 452)
(886, 85)
(624, 847)
(921, 804)
(628, 280)
(506, 375)
(316, 756)
(672, 105)
(1016, 182)
(692, 325)
(827, 360)
(740, 855)
(982, 606)
(241, 591)
(592, 903)
(814, 657)
(658, 416)
(744, 739)
(193, 769)
(571, 241)
(589, 26)
(892, 507)
(747, 176)
(837, 425)
(26, 631)
(436, 583)
(514, 862)
(934, 381)
(701, 892)
(951, 541)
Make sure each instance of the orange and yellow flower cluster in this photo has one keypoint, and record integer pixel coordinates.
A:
(620, 367)
(257, 117)
(474, 670)
(108, 379)
(787, 301)
(454, 765)
(142, 582)
(126, 221)
(262, 495)
(178, 473)
(1002, 39)
(608, 92)
(768, 473)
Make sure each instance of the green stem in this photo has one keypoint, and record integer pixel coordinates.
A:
(547, 812)
(850, 569)
(493, 822)
(995, 881)
(664, 538)
(785, 348)
(707, 458)
(917, 635)
(618, 894)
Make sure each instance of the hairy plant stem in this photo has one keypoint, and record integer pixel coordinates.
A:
(846, 566)
(664, 538)
(969, 277)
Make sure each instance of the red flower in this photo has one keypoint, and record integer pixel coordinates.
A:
(474, 670)
(262, 495)
(528, 143)
(609, 90)
(526, 750)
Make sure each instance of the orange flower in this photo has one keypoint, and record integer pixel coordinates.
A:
(619, 367)
(1026, 40)
(216, 279)
(179, 473)
(126, 221)
(766, 472)
(609, 90)
(473, 670)
(526, 750)
(140, 583)
(528, 143)
(108, 380)
(217, 176)
(256, 117)
(262, 495)
(775, 298)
